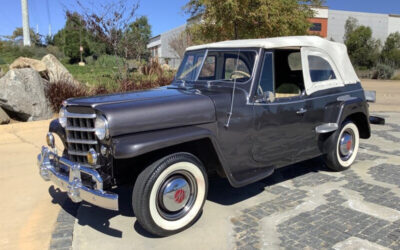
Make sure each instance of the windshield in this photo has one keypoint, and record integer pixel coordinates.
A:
(222, 65)
(190, 66)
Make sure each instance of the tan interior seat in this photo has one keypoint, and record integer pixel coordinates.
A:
(287, 90)
(283, 95)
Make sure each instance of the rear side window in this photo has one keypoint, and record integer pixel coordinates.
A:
(320, 69)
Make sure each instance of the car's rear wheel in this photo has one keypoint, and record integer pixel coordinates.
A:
(169, 195)
(343, 147)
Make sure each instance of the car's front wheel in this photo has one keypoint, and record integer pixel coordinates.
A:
(343, 147)
(169, 195)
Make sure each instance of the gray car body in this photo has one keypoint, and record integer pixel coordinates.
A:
(260, 136)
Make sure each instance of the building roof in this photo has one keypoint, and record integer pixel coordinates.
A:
(337, 52)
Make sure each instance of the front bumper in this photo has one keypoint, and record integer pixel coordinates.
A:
(49, 164)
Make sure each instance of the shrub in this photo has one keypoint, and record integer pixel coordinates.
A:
(109, 61)
(63, 89)
(152, 68)
(383, 71)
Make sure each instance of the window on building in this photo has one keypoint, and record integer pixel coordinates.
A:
(316, 27)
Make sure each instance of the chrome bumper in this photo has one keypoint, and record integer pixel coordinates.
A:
(47, 162)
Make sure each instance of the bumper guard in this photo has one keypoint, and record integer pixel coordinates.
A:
(48, 161)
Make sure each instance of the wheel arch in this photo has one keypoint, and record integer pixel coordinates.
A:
(361, 121)
(136, 152)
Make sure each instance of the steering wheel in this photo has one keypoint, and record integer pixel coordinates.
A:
(238, 74)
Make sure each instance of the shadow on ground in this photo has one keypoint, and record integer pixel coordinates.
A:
(220, 192)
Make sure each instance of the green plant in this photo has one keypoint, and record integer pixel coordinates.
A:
(383, 71)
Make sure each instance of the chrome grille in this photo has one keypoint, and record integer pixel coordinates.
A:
(80, 135)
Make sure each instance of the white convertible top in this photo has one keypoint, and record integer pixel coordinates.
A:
(336, 51)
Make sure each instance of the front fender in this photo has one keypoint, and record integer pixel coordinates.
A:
(133, 145)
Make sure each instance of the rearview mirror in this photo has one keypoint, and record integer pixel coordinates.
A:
(267, 96)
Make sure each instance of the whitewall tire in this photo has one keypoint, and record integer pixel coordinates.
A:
(343, 147)
(169, 195)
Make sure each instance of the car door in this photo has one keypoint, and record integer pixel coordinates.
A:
(279, 129)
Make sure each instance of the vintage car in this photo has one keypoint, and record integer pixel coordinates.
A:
(239, 108)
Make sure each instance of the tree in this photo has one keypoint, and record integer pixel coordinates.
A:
(242, 19)
(391, 50)
(135, 39)
(17, 36)
(349, 27)
(180, 42)
(109, 20)
(362, 48)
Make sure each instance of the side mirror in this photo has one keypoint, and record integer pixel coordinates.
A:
(267, 96)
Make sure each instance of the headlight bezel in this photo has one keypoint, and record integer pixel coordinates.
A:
(101, 128)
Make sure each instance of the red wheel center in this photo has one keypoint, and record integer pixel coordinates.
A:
(179, 195)
(348, 145)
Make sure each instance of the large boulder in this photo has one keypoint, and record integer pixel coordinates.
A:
(56, 70)
(4, 119)
(25, 62)
(23, 93)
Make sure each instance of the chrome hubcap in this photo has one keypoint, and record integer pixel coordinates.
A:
(177, 195)
(346, 144)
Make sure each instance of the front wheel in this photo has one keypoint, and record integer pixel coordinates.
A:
(343, 147)
(169, 195)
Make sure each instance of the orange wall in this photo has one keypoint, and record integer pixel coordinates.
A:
(324, 26)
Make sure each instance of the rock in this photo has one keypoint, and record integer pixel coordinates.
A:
(56, 70)
(4, 119)
(22, 93)
(25, 62)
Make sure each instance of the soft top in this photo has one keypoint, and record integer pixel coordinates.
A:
(336, 51)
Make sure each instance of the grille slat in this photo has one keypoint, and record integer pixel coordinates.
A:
(80, 136)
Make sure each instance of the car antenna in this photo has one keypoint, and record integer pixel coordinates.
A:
(233, 93)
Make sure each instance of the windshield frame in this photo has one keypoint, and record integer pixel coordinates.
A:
(181, 66)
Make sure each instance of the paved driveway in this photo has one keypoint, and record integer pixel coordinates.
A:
(301, 206)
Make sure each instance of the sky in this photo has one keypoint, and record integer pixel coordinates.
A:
(163, 15)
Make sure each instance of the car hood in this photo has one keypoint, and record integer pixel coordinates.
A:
(159, 108)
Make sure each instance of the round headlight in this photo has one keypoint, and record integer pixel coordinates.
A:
(101, 126)
(61, 117)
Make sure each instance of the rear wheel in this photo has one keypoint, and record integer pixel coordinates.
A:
(169, 195)
(343, 147)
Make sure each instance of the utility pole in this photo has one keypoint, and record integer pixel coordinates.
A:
(25, 23)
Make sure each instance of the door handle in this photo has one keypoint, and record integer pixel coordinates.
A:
(301, 111)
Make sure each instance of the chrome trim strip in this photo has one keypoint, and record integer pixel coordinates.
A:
(92, 142)
(73, 152)
(326, 128)
(47, 160)
(76, 115)
(83, 129)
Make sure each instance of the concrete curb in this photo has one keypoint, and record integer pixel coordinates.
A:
(62, 235)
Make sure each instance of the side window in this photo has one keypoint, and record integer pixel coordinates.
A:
(208, 70)
(294, 61)
(267, 75)
(320, 69)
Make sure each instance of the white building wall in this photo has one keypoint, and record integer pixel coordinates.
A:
(394, 24)
(377, 22)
